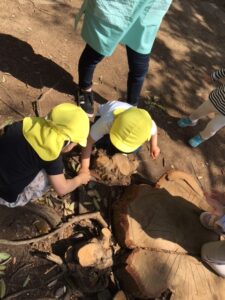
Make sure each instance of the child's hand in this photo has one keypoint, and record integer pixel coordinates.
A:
(154, 152)
(84, 178)
(84, 171)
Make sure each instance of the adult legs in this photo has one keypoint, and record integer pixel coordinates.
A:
(138, 68)
(213, 254)
(86, 67)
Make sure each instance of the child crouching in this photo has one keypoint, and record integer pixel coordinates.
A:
(31, 154)
(128, 127)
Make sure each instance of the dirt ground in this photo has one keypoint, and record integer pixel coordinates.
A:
(39, 53)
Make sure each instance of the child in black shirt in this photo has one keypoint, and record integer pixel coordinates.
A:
(30, 154)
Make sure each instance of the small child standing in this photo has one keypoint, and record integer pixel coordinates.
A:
(214, 104)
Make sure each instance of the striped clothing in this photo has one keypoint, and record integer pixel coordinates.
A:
(217, 96)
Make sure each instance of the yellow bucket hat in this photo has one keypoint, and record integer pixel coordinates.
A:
(130, 129)
(65, 122)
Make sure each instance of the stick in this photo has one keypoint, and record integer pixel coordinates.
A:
(22, 268)
(96, 215)
(9, 106)
(13, 109)
(36, 103)
(17, 294)
(199, 181)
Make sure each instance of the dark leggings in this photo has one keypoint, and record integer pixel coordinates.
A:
(138, 68)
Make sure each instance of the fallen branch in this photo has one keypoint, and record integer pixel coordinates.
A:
(96, 216)
(46, 213)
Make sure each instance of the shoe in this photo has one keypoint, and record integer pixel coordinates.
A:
(185, 122)
(85, 101)
(195, 141)
(209, 221)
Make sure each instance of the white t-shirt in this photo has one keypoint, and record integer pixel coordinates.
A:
(103, 125)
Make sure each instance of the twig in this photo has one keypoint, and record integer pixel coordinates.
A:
(9, 106)
(50, 269)
(13, 109)
(96, 215)
(19, 270)
(199, 182)
(36, 103)
(17, 294)
(54, 258)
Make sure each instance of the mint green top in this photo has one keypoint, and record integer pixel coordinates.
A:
(131, 22)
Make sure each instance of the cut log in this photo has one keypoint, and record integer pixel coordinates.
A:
(120, 296)
(90, 254)
(162, 227)
(106, 239)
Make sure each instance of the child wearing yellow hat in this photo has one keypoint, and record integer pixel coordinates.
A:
(31, 154)
(128, 127)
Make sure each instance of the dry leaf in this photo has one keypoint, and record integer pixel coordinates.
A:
(2, 289)
(4, 257)
(60, 292)
(26, 281)
(42, 226)
(2, 267)
(96, 204)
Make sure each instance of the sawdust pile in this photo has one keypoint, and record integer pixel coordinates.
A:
(115, 170)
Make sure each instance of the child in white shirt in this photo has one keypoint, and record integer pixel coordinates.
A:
(128, 128)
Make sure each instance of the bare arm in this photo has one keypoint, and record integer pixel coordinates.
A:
(85, 156)
(154, 149)
(63, 186)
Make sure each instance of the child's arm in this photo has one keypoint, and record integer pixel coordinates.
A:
(98, 130)
(154, 149)
(85, 156)
(63, 186)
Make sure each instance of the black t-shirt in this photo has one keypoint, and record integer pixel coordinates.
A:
(19, 163)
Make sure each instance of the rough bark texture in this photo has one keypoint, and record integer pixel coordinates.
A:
(162, 226)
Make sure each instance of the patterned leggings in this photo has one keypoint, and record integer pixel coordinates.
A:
(37, 187)
(214, 125)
